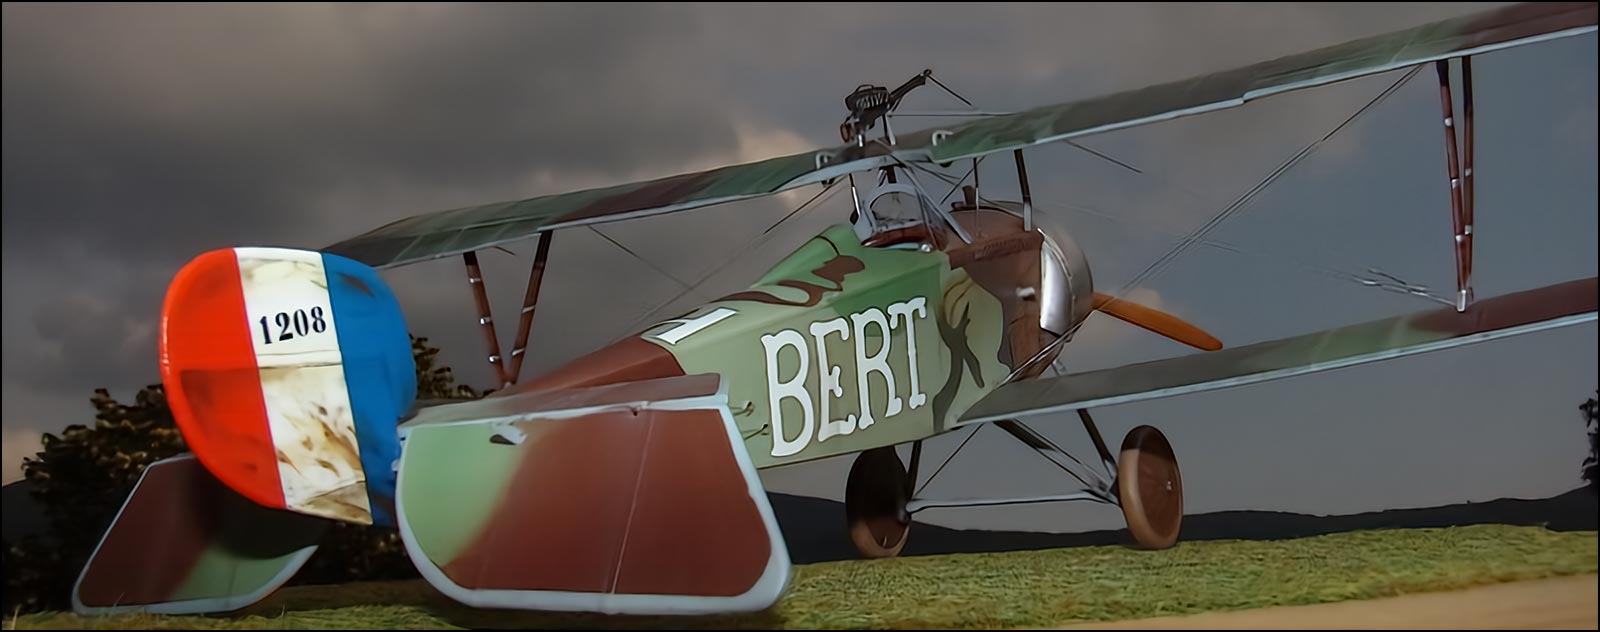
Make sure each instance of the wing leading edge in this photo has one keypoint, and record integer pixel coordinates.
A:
(1548, 307)
(444, 233)
(1466, 35)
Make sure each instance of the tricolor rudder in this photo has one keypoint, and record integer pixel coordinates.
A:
(287, 372)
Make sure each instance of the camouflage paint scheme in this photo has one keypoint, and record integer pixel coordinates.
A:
(626, 480)
(183, 542)
(832, 280)
(640, 504)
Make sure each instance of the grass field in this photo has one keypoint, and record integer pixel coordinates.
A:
(992, 590)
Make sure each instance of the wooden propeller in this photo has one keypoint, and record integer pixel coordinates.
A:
(1157, 321)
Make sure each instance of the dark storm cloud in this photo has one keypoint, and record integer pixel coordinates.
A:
(138, 136)
(75, 325)
(226, 123)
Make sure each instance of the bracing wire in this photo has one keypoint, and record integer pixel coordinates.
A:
(826, 193)
(662, 271)
(947, 459)
(1160, 264)
(1389, 283)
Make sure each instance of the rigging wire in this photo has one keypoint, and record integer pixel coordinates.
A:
(826, 193)
(939, 83)
(1389, 283)
(1199, 234)
(953, 454)
(635, 255)
(1105, 157)
(1393, 283)
(956, 186)
(1160, 264)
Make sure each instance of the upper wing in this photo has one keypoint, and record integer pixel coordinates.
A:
(1467, 35)
(446, 233)
(1544, 308)
(461, 230)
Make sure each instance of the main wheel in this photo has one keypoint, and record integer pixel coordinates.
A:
(875, 503)
(1150, 488)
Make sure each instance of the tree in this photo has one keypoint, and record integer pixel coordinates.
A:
(437, 383)
(82, 477)
(1591, 420)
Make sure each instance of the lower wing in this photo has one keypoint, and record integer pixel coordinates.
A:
(1524, 312)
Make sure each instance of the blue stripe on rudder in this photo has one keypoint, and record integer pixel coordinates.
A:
(379, 372)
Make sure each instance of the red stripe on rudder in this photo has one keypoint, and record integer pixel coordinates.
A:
(695, 528)
(208, 365)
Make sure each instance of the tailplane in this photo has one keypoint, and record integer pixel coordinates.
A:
(185, 544)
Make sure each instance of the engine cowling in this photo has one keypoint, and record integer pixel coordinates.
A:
(1066, 286)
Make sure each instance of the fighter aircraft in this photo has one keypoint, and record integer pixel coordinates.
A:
(626, 480)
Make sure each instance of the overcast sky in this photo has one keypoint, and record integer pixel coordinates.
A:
(136, 137)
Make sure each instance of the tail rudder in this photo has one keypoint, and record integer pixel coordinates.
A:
(287, 372)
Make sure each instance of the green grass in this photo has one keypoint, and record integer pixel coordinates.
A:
(993, 590)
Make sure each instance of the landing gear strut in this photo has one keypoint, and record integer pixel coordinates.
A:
(1143, 480)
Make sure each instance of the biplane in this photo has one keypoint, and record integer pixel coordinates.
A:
(626, 480)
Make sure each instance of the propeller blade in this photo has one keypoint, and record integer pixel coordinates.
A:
(1157, 321)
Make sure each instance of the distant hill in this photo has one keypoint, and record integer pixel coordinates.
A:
(815, 527)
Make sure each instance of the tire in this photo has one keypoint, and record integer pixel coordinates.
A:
(875, 503)
(1150, 488)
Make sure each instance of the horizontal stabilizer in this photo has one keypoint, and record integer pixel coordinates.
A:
(1544, 308)
(184, 543)
(639, 498)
